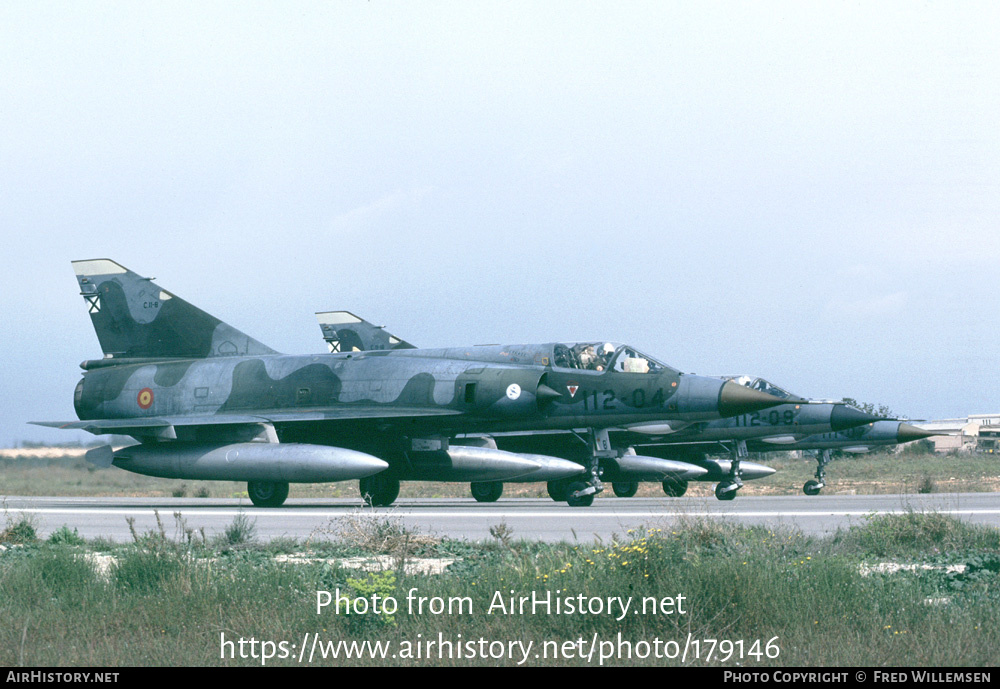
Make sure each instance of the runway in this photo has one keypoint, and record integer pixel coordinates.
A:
(533, 519)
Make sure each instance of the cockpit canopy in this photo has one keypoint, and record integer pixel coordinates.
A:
(761, 385)
(605, 356)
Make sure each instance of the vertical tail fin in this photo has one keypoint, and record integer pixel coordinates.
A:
(134, 318)
(345, 332)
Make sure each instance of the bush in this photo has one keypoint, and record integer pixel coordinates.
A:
(62, 572)
(143, 571)
(242, 531)
(64, 536)
(21, 531)
(895, 534)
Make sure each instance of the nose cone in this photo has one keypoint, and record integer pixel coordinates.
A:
(905, 433)
(843, 417)
(736, 399)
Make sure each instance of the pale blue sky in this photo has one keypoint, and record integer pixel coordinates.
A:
(803, 191)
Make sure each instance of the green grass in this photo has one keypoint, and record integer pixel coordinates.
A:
(166, 601)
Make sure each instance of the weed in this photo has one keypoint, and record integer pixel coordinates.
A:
(63, 535)
(241, 532)
(375, 587)
(142, 570)
(895, 534)
(21, 530)
(502, 532)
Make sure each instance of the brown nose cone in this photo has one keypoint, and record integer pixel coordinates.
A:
(736, 399)
(843, 417)
(906, 433)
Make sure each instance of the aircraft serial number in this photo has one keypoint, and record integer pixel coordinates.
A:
(606, 400)
(773, 418)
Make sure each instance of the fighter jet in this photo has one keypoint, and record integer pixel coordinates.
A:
(774, 428)
(207, 401)
(680, 446)
(854, 440)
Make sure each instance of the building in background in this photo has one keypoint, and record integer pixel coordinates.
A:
(974, 433)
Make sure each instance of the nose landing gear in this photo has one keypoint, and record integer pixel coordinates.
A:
(726, 490)
(813, 486)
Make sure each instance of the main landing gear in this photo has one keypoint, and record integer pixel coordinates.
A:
(814, 486)
(266, 493)
(580, 491)
(486, 491)
(625, 489)
(726, 489)
(575, 492)
(379, 490)
(674, 488)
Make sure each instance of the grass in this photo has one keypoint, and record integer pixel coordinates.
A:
(876, 473)
(917, 533)
(166, 600)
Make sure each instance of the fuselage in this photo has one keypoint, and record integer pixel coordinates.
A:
(494, 387)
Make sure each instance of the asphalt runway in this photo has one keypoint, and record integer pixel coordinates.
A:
(533, 519)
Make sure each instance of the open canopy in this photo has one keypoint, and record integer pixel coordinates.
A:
(605, 356)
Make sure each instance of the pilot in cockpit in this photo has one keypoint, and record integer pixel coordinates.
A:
(588, 358)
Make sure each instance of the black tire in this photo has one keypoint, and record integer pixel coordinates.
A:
(266, 493)
(487, 491)
(674, 488)
(557, 490)
(625, 489)
(722, 494)
(812, 487)
(583, 500)
(379, 490)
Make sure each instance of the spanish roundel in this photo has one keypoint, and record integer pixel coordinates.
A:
(145, 398)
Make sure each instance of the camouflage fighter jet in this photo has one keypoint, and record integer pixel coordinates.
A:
(854, 440)
(774, 428)
(207, 401)
(681, 443)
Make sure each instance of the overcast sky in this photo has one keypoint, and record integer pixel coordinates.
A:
(809, 192)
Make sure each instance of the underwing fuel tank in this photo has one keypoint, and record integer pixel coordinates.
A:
(639, 468)
(548, 468)
(271, 462)
(718, 469)
(474, 464)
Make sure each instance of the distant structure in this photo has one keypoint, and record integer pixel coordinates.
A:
(974, 433)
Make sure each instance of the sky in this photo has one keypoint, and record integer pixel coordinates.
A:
(806, 192)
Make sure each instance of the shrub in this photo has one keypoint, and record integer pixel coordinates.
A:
(64, 536)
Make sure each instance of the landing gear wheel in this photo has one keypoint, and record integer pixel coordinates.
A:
(812, 487)
(487, 491)
(725, 490)
(558, 490)
(379, 490)
(267, 494)
(582, 500)
(625, 489)
(674, 488)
